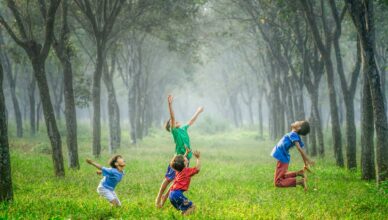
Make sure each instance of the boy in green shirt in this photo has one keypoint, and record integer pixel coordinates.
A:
(182, 141)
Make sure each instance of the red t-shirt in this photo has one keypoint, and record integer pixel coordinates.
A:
(182, 179)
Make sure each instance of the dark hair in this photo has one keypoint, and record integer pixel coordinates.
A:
(113, 160)
(178, 163)
(167, 125)
(304, 128)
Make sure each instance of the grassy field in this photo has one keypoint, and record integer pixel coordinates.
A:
(236, 182)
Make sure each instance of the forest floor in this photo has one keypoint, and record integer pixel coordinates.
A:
(236, 182)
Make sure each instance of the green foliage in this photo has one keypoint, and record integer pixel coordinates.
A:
(236, 182)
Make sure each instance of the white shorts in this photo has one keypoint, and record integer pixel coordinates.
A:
(108, 194)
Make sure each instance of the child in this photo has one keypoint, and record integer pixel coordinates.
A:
(283, 178)
(182, 182)
(112, 176)
(182, 140)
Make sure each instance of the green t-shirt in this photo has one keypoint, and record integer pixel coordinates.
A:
(181, 138)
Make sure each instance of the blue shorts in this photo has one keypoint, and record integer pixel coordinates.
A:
(170, 174)
(179, 201)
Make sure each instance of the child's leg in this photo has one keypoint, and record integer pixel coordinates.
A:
(109, 195)
(289, 174)
(189, 210)
(280, 179)
(169, 176)
(163, 187)
(164, 197)
(180, 202)
(115, 201)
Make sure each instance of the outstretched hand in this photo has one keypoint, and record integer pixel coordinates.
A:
(169, 99)
(200, 109)
(197, 154)
(188, 150)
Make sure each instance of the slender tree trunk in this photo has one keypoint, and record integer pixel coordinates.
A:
(38, 114)
(63, 52)
(12, 77)
(70, 115)
(132, 113)
(96, 97)
(367, 132)
(31, 96)
(6, 192)
(335, 125)
(113, 112)
(351, 159)
(318, 129)
(313, 142)
(260, 108)
(48, 112)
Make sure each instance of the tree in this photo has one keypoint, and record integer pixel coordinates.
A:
(63, 51)
(37, 53)
(362, 15)
(101, 18)
(348, 90)
(6, 193)
(324, 49)
(12, 77)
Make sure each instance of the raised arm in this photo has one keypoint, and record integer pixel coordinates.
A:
(91, 162)
(306, 160)
(197, 155)
(195, 116)
(172, 116)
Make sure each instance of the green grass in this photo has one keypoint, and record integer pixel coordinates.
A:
(236, 182)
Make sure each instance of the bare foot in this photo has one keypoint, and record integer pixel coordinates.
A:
(300, 173)
(157, 203)
(189, 210)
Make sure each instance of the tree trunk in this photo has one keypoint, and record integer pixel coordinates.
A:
(132, 113)
(6, 192)
(63, 52)
(113, 111)
(31, 96)
(313, 135)
(318, 129)
(12, 84)
(335, 125)
(70, 115)
(260, 108)
(96, 97)
(362, 15)
(351, 159)
(38, 114)
(48, 112)
(367, 132)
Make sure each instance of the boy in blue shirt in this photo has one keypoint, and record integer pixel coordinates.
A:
(284, 178)
(111, 177)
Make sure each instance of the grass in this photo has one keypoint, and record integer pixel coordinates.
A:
(236, 182)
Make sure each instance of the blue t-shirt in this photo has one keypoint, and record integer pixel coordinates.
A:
(111, 178)
(280, 151)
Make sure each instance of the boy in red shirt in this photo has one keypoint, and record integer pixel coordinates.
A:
(182, 182)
